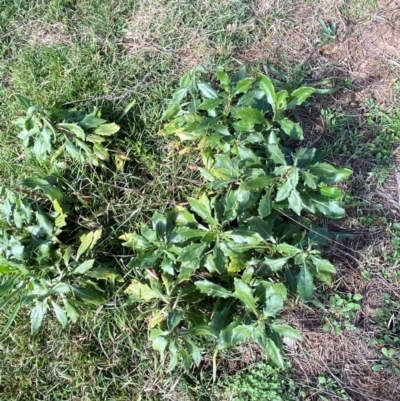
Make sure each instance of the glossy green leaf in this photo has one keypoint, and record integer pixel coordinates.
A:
(84, 267)
(245, 294)
(207, 90)
(323, 265)
(37, 315)
(293, 130)
(274, 353)
(286, 188)
(299, 96)
(331, 192)
(170, 112)
(219, 260)
(305, 283)
(173, 319)
(286, 331)
(276, 264)
(276, 154)
(212, 289)
(265, 205)
(295, 202)
(262, 228)
(243, 86)
(138, 290)
(273, 305)
(75, 129)
(89, 295)
(267, 87)
(72, 313)
(248, 114)
(60, 313)
(107, 129)
(223, 77)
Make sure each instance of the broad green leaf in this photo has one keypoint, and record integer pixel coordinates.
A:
(274, 353)
(309, 179)
(159, 344)
(202, 208)
(173, 319)
(189, 233)
(248, 114)
(276, 154)
(257, 183)
(240, 75)
(89, 295)
(246, 154)
(178, 96)
(91, 121)
(171, 111)
(60, 288)
(211, 104)
(267, 87)
(303, 156)
(243, 237)
(212, 289)
(84, 267)
(192, 252)
(262, 228)
(265, 205)
(223, 78)
(331, 173)
(193, 350)
(331, 209)
(295, 202)
(37, 315)
(101, 152)
(107, 129)
(75, 129)
(273, 305)
(136, 241)
(331, 192)
(323, 265)
(276, 264)
(86, 241)
(293, 130)
(287, 249)
(25, 102)
(245, 294)
(138, 290)
(286, 331)
(305, 283)
(207, 90)
(200, 330)
(50, 191)
(240, 333)
(219, 260)
(72, 313)
(299, 96)
(285, 190)
(60, 314)
(243, 86)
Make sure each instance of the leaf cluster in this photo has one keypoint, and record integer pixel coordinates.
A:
(220, 270)
(58, 133)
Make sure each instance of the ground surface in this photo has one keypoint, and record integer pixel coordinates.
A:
(110, 53)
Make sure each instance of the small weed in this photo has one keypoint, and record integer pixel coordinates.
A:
(389, 337)
(262, 382)
(328, 33)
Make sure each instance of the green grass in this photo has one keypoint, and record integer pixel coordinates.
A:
(96, 53)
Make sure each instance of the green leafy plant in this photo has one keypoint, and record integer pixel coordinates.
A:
(261, 382)
(340, 311)
(389, 336)
(328, 33)
(44, 263)
(63, 133)
(221, 268)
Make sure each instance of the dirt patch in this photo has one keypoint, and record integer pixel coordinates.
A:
(365, 49)
(48, 35)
